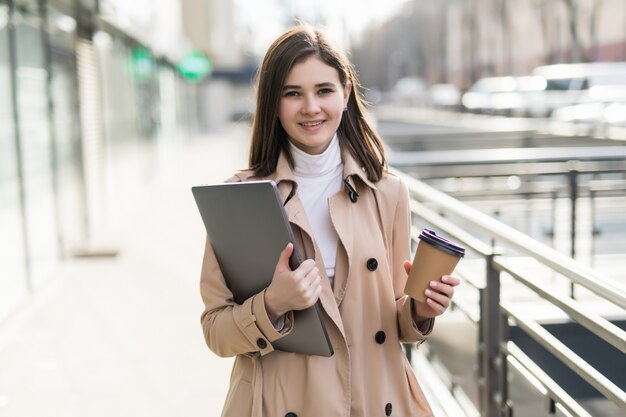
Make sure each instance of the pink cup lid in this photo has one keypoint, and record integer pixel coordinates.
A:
(429, 236)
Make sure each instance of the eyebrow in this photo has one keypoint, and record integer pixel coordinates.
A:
(297, 87)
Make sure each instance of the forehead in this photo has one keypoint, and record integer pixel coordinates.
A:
(312, 71)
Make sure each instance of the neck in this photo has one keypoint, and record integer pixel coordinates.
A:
(307, 165)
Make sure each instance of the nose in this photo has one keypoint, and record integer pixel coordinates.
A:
(310, 105)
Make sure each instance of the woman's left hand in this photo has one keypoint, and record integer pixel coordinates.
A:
(438, 295)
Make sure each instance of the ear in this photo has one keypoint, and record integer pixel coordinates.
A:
(346, 94)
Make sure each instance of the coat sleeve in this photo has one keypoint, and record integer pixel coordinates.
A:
(400, 248)
(229, 328)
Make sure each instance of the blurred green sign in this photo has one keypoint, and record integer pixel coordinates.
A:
(141, 64)
(195, 66)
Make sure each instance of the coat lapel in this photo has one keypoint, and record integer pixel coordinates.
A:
(341, 215)
(344, 213)
(296, 214)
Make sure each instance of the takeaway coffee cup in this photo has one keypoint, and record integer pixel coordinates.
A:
(435, 256)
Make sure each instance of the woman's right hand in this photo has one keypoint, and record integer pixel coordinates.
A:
(292, 290)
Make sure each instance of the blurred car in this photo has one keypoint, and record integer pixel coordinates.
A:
(615, 114)
(592, 119)
(509, 96)
(571, 84)
(409, 90)
(444, 95)
(480, 97)
(608, 87)
(550, 87)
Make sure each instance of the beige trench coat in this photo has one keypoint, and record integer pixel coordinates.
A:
(366, 315)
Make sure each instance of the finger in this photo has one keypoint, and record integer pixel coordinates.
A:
(314, 295)
(439, 298)
(303, 283)
(407, 266)
(450, 280)
(307, 266)
(435, 306)
(313, 290)
(446, 289)
(318, 293)
(283, 259)
(313, 278)
(300, 274)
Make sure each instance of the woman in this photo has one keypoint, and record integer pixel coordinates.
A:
(351, 221)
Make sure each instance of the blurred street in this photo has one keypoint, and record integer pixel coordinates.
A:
(121, 336)
(506, 120)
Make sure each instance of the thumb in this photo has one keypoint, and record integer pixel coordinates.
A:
(283, 259)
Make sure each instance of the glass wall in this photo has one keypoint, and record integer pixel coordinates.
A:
(67, 157)
(13, 276)
(44, 214)
(36, 148)
(167, 98)
(119, 109)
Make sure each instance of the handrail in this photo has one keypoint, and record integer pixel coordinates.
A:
(568, 357)
(508, 155)
(572, 269)
(435, 219)
(553, 389)
(433, 207)
(606, 330)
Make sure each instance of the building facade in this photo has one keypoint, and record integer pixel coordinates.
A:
(83, 83)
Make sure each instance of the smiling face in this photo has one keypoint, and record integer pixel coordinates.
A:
(311, 105)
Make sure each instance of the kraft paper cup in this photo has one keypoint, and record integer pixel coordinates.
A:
(435, 256)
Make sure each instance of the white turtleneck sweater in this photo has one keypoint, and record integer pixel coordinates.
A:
(319, 177)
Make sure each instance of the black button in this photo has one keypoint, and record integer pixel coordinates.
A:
(380, 337)
(353, 196)
(261, 343)
(291, 415)
(388, 409)
(372, 264)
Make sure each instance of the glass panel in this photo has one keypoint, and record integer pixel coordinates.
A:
(167, 102)
(13, 284)
(118, 96)
(34, 128)
(66, 130)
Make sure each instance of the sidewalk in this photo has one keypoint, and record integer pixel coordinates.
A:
(121, 336)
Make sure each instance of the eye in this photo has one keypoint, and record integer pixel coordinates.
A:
(326, 91)
(292, 94)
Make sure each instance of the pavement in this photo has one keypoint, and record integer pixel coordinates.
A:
(120, 336)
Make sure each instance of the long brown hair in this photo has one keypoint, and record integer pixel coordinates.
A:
(268, 135)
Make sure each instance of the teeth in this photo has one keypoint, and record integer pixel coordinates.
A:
(311, 124)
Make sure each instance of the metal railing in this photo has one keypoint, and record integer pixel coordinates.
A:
(569, 162)
(496, 351)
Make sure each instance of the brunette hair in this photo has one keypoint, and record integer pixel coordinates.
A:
(268, 135)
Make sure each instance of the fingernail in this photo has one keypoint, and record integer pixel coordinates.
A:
(444, 278)
(433, 283)
(428, 292)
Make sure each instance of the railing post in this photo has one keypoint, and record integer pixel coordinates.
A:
(553, 218)
(595, 231)
(506, 406)
(573, 195)
(490, 344)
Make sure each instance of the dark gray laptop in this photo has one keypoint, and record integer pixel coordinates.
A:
(248, 228)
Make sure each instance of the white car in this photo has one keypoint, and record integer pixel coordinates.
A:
(511, 96)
